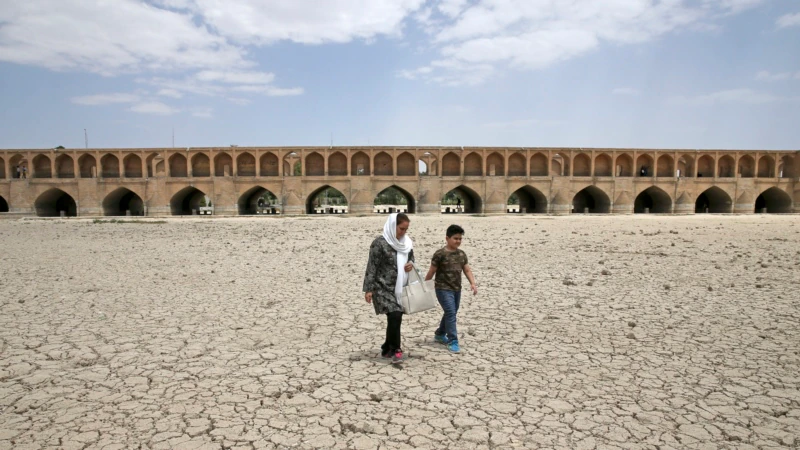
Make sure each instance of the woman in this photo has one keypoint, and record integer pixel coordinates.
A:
(390, 258)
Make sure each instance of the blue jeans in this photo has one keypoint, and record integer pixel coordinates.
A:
(450, 301)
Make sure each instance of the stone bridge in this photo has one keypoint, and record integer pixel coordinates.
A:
(171, 181)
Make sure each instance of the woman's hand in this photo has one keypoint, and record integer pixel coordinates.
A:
(408, 267)
(368, 297)
(474, 289)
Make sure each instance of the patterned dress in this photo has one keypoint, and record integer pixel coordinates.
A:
(381, 276)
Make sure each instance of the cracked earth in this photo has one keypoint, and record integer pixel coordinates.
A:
(588, 332)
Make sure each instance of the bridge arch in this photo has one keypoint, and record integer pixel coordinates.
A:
(775, 200)
(315, 165)
(337, 164)
(473, 165)
(269, 165)
(359, 164)
(246, 165)
(87, 165)
(3, 205)
(655, 199)
(705, 167)
(593, 198)
(766, 167)
(65, 166)
(451, 165)
(471, 201)
(325, 196)
(384, 165)
(603, 165)
(255, 197)
(786, 169)
(3, 168)
(715, 200)
(686, 166)
(201, 165)
(531, 200)
(665, 166)
(221, 162)
(624, 165)
(121, 200)
(109, 166)
(133, 166)
(644, 166)
(405, 165)
(582, 165)
(52, 201)
(516, 165)
(385, 195)
(42, 167)
(747, 166)
(725, 167)
(17, 161)
(187, 200)
(560, 165)
(539, 165)
(177, 166)
(495, 165)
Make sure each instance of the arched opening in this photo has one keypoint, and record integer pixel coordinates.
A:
(152, 165)
(2, 169)
(766, 167)
(53, 201)
(201, 165)
(65, 166)
(705, 167)
(188, 201)
(560, 165)
(315, 165)
(582, 165)
(87, 166)
(786, 169)
(326, 200)
(337, 164)
(775, 201)
(3, 205)
(653, 200)
(644, 166)
(246, 165)
(516, 165)
(405, 165)
(496, 165)
(539, 165)
(665, 167)
(527, 199)
(462, 200)
(713, 200)
(109, 166)
(133, 166)
(291, 165)
(269, 165)
(258, 200)
(394, 199)
(624, 165)
(427, 164)
(223, 165)
(591, 199)
(122, 200)
(178, 166)
(383, 164)
(423, 168)
(451, 165)
(17, 162)
(747, 167)
(42, 167)
(725, 167)
(685, 166)
(602, 166)
(359, 164)
(473, 165)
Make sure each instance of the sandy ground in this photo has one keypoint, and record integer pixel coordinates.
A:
(588, 332)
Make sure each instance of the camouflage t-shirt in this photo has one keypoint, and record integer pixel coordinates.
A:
(449, 266)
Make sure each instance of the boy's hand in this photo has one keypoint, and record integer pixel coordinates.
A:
(368, 297)
(408, 267)
(474, 289)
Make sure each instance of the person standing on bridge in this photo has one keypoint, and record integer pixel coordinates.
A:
(390, 258)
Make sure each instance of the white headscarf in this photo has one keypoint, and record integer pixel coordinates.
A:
(403, 247)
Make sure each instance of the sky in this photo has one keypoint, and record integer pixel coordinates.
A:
(689, 74)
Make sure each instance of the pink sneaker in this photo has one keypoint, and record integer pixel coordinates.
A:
(398, 357)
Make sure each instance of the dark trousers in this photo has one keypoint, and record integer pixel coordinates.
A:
(393, 322)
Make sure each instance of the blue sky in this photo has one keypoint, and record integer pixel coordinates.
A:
(582, 73)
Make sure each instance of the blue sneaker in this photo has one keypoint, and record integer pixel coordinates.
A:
(453, 347)
(442, 339)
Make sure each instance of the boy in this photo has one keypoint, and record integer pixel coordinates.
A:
(447, 264)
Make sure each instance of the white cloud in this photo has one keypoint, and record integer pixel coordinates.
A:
(170, 93)
(625, 91)
(788, 20)
(535, 34)
(236, 77)
(767, 76)
(104, 99)
(204, 112)
(156, 108)
(731, 96)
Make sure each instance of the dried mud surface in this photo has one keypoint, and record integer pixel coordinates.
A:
(588, 332)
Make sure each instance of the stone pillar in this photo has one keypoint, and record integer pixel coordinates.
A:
(258, 162)
(189, 169)
(280, 163)
(121, 165)
(325, 155)
(371, 155)
(76, 168)
(591, 165)
(528, 163)
(235, 164)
